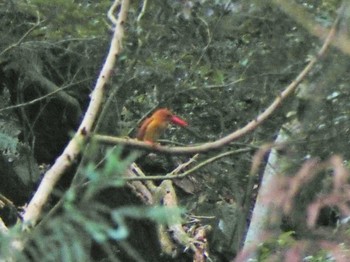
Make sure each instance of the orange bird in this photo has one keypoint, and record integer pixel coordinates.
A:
(153, 127)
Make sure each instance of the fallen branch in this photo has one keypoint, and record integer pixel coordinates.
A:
(166, 195)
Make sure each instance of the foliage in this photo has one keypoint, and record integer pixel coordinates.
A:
(80, 219)
(215, 63)
(83, 20)
(273, 248)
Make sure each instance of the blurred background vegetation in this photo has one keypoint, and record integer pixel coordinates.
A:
(215, 63)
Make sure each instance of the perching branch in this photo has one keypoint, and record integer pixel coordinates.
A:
(65, 160)
(251, 126)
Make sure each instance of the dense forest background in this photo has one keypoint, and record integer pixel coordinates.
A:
(218, 64)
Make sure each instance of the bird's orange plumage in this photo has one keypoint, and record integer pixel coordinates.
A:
(153, 127)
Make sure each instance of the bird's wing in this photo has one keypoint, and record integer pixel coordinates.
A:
(142, 130)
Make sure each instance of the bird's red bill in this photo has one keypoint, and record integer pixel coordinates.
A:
(178, 121)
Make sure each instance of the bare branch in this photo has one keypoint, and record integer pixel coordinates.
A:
(171, 176)
(251, 126)
(73, 148)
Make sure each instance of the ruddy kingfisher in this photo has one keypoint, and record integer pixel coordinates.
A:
(154, 126)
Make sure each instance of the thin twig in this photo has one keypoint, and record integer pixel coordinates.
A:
(36, 100)
(209, 40)
(23, 37)
(183, 165)
(186, 173)
(141, 15)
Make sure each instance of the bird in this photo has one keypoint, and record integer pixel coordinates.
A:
(154, 126)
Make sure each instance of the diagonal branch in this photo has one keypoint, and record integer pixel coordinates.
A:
(69, 155)
(251, 126)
